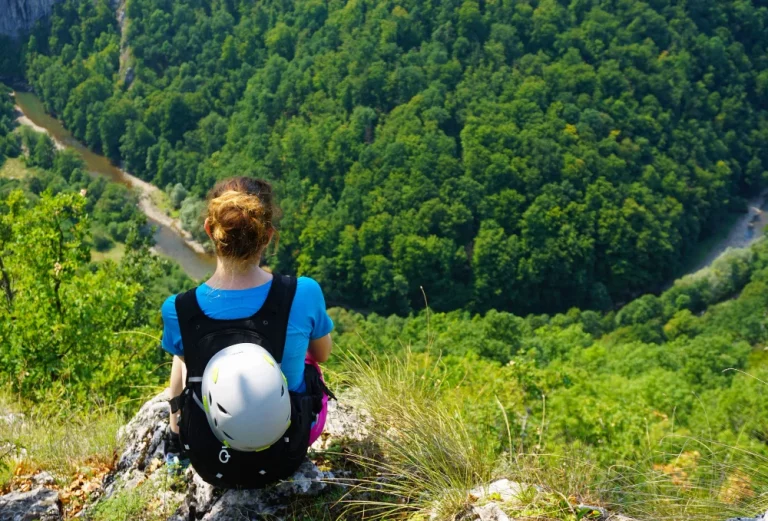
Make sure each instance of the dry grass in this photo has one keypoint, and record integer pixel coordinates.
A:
(706, 480)
(426, 461)
(14, 168)
(64, 443)
(115, 253)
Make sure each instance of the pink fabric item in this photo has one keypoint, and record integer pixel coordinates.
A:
(319, 425)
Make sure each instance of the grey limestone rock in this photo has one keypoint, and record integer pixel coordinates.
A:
(42, 479)
(38, 504)
(18, 16)
(211, 504)
(143, 435)
(504, 489)
(343, 422)
(128, 77)
(490, 512)
(760, 517)
(141, 460)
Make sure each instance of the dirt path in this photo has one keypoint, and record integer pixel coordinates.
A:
(148, 206)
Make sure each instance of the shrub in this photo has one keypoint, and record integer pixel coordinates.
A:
(101, 241)
(177, 194)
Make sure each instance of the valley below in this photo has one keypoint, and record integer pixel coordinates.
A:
(170, 239)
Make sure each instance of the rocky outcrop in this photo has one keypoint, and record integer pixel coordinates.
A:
(140, 469)
(141, 465)
(142, 457)
(39, 504)
(18, 16)
(125, 70)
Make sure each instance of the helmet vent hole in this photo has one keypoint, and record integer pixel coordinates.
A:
(210, 398)
(216, 422)
(282, 391)
(227, 435)
(222, 409)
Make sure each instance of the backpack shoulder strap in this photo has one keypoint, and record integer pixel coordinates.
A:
(275, 312)
(189, 314)
(187, 307)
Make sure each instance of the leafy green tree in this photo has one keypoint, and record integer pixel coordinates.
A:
(66, 162)
(134, 146)
(191, 215)
(112, 126)
(280, 40)
(178, 193)
(44, 249)
(495, 260)
(116, 207)
(43, 153)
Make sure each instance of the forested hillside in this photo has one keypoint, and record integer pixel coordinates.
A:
(660, 405)
(656, 407)
(527, 155)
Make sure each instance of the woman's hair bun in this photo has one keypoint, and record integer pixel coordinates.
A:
(240, 215)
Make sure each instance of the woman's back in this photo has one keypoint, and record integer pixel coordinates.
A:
(236, 423)
(307, 320)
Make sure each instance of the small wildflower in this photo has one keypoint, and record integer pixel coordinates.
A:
(83, 192)
(57, 268)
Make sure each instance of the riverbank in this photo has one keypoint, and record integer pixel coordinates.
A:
(145, 191)
(23, 120)
(746, 229)
(152, 211)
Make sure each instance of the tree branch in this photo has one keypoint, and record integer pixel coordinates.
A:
(57, 269)
(6, 283)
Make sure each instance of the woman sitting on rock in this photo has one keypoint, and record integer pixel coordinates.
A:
(247, 395)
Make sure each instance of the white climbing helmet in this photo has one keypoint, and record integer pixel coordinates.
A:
(245, 397)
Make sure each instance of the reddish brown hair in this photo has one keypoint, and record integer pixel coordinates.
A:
(241, 214)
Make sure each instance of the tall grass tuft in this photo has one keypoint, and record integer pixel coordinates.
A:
(427, 461)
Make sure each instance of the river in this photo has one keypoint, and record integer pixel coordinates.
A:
(170, 240)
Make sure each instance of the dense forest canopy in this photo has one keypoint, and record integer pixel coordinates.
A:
(521, 155)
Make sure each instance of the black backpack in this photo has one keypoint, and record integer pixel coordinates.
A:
(203, 337)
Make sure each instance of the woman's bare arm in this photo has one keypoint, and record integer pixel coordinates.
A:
(320, 348)
(178, 377)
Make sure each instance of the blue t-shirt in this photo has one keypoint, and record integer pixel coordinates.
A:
(307, 320)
